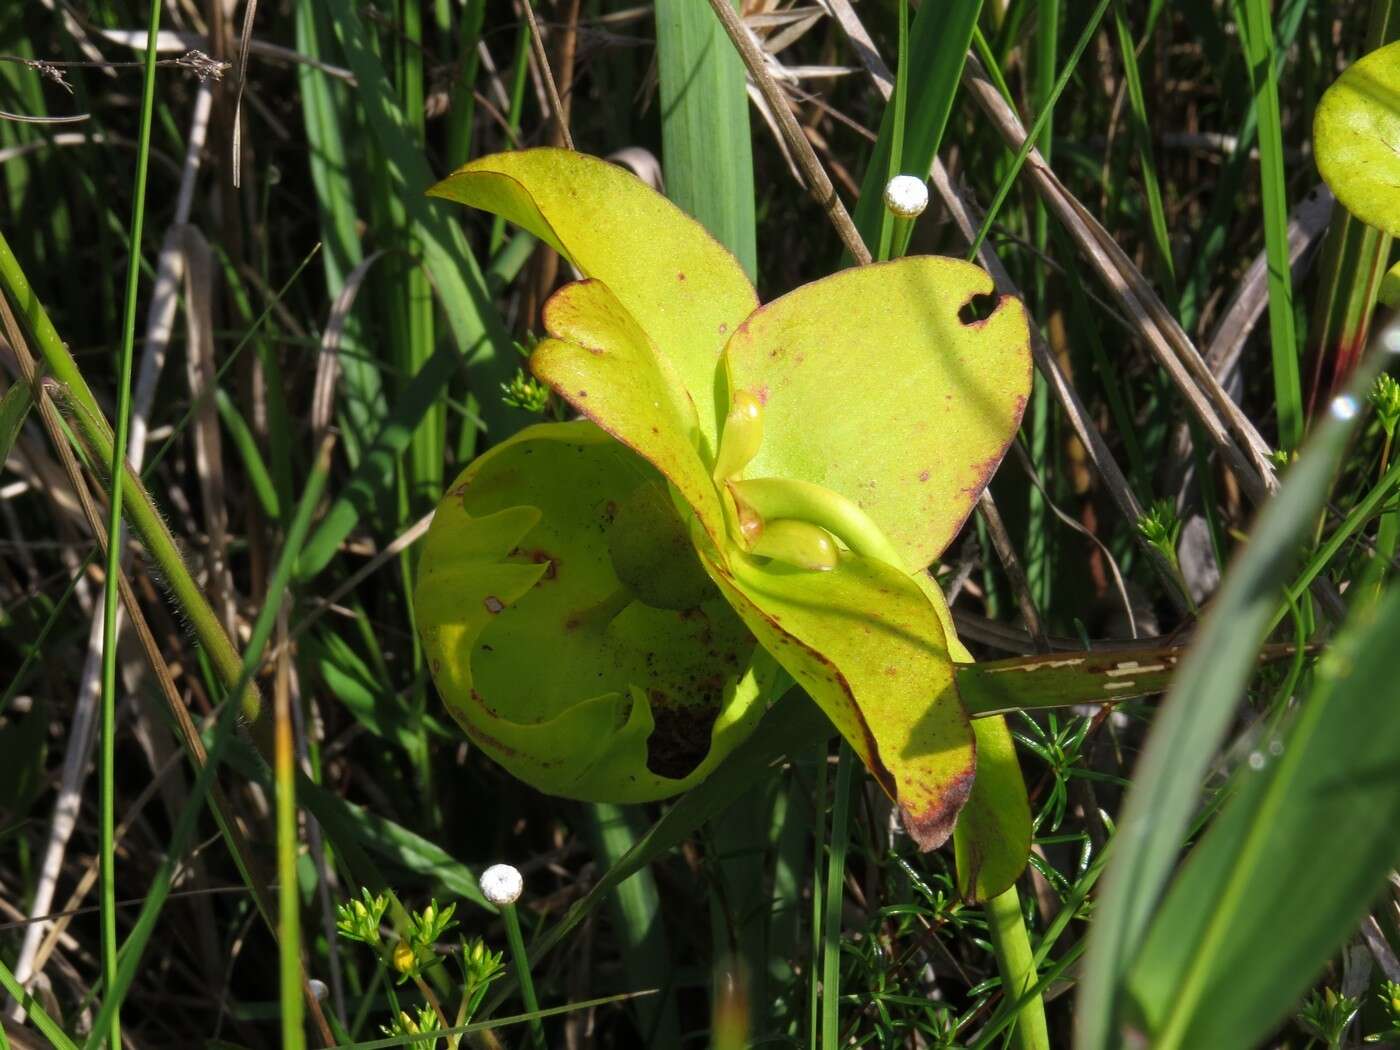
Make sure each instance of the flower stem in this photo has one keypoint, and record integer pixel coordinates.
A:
(835, 877)
(814, 991)
(522, 971)
(1016, 964)
(107, 760)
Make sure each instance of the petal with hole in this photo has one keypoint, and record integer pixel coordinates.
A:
(916, 405)
(684, 288)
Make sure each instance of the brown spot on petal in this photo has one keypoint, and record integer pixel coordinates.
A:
(680, 277)
(931, 826)
(723, 327)
(923, 475)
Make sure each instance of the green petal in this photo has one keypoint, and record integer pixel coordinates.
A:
(684, 288)
(992, 840)
(868, 647)
(545, 659)
(604, 365)
(1356, 136)
(914, 409)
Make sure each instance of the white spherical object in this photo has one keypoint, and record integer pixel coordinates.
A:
(501, 884)
(906, 196)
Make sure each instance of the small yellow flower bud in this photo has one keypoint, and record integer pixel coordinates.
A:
(403, 957)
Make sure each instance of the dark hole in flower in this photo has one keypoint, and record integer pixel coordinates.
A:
(979, 308)
(681, 739)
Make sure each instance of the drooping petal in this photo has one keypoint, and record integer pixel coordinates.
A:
(1356, 138)
(603, 364)
(545, 659)
(873, 386)
(684, 288)
(868, 647)
(992, 840)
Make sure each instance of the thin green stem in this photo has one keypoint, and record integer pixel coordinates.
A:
(1016, 963)
(107, 759)
(42, 1021)
(895, 233)
(1358, 516)
(204, 782)
(1255, 22)
(288, 886)
(92, 430)
(818, 849)
(835, 876)
(521, 958)
(1042, 121)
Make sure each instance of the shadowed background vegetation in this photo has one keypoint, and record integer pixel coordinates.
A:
(319, 348)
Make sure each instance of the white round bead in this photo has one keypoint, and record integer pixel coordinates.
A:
(501, 884)
(906, 196)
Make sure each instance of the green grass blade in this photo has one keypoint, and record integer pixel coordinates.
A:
(1309, 835)
(938, 43)
(42, 1021)
(791, 726)
(259, 478)
(636, 910)
(814, 963)
(1142, 132)
(835, 894)
(107, 760)
(325, 117)
(348, 825)
(480, 337)
(1254, 20)
(1042, 122)
(375, 474)
(1194, 719)
(14, 408)
(186, 824)
(707, 155)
